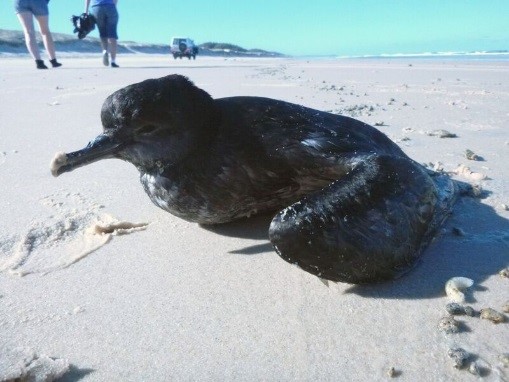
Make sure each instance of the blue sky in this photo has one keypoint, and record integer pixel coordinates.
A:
(320, 27)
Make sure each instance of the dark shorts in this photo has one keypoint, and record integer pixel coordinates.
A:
(36, 7)
(106, 17)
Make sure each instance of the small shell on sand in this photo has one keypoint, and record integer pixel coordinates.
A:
(459, 357)
(474, 369)
(469, 311)
(465, 172)
(392, 372)
(58, 161)
(454, 288)
(504, 272)
(436, 166)
(476, 191)
(448, 325)
(505, 307)
(492, 315)
(470, 155)
(504, 358)
(441, 134)
(455, 309)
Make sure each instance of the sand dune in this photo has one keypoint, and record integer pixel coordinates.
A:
(12, 42)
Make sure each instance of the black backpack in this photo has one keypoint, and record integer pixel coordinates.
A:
(83, 24)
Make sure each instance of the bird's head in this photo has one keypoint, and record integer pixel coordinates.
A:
(156, 121)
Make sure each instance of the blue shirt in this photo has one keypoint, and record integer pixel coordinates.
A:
(101, 2)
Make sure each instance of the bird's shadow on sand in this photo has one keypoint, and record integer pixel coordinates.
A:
(75, 374)
(255, 228)
(480, 250)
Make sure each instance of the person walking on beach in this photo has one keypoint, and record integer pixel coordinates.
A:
(26, 10)
(106, 17)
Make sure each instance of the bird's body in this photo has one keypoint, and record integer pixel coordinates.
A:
(265, 155)
(352, 206)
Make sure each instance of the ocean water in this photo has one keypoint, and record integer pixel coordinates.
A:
(494, 55)
(497, 55)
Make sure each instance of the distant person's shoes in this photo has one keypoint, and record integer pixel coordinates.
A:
(106, 59)
(54, 63)
(113, 65)
(40, 64)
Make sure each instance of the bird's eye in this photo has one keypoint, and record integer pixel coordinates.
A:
(147, 129)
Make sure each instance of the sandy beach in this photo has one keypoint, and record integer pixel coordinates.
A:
(168, 300)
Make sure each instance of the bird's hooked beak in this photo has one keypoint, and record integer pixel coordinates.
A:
(102, 147)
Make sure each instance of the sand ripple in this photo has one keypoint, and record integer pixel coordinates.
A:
(62, 239)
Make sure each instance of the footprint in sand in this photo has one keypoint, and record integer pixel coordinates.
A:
(75, 229)
(3, 154)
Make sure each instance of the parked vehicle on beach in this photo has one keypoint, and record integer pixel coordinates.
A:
(183, 47)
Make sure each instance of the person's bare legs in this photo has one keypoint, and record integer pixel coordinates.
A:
(27, 22)
(104, 43)
(113, 48)
(47, 39)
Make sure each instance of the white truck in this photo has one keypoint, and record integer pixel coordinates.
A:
(183, 47)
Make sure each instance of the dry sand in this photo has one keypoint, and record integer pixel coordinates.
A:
(175, 301)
